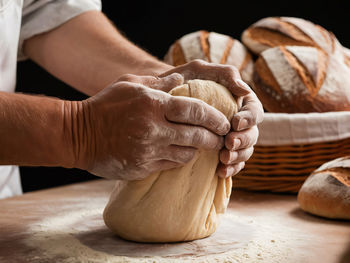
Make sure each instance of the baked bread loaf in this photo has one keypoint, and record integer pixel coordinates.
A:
(326, 192)
(288, 31)
(301, 67)
(211, 47)
(179, 204)
(300, 79)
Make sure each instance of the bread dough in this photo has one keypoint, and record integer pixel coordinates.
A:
(179, 204)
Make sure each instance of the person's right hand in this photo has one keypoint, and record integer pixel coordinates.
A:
(129, 130)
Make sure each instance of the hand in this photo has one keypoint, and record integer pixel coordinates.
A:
(129, 130)
(240, 142)
(226, 75)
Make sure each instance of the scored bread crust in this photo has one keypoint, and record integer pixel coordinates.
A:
(301, 67)
(301, 79)
(211, 47)
(288, 31)
(326, 192)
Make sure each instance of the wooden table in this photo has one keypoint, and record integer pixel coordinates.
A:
(65, 225)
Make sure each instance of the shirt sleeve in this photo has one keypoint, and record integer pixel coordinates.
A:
(39, 16)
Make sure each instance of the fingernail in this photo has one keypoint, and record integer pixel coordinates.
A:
(236, 144)
(242, 84)
(242, 124)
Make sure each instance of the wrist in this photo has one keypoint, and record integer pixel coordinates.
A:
(78, 134)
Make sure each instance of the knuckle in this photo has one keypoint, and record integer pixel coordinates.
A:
(175, 77)
(186, 156)
(198, 137)
(150, 131)
(127, 77)
(198, 111)
(176, 109)
(246, 154)
(230, 70)
(143, 155)
(197, 62)
(253, 117)
(150, 101)
(245, 140)
(234, 70)
(146, 130)
(146, 99)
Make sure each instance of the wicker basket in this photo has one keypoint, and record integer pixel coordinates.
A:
(291, 146)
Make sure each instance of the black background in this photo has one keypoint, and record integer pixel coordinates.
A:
(154, 26)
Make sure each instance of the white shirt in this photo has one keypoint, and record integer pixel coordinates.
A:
(20, 20)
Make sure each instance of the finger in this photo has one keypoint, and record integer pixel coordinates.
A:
(193, 136)
(165, 83)
(250, 114)
(178, 154)
(233, 157)
(225, 171)
(171, 81)
(196, 112)
(241, 139)
(226, 75)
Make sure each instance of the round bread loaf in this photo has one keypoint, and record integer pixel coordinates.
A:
(211, 47)
(300, 79)
(301, 67)
(288, 31)
(326, 192)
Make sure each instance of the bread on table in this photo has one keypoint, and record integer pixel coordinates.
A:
(326, 192)
(288, 31)
(300, 79)
(211, 47)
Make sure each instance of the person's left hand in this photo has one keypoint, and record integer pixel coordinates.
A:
(239, 143)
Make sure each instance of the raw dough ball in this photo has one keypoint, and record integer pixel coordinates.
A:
(326, 192)
(178, 204)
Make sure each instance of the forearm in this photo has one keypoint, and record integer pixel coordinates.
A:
(88, 53)
(34, 130)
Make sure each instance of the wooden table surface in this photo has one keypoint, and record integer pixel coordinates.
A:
(65, 225)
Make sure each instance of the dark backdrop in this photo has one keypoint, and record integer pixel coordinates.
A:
(154, 25)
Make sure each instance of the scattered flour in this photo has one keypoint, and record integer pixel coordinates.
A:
(262, 238)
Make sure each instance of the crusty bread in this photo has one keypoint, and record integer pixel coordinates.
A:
(300, 79)
(326, 192)
(301, 67)
(288, 31)
(211, 47)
